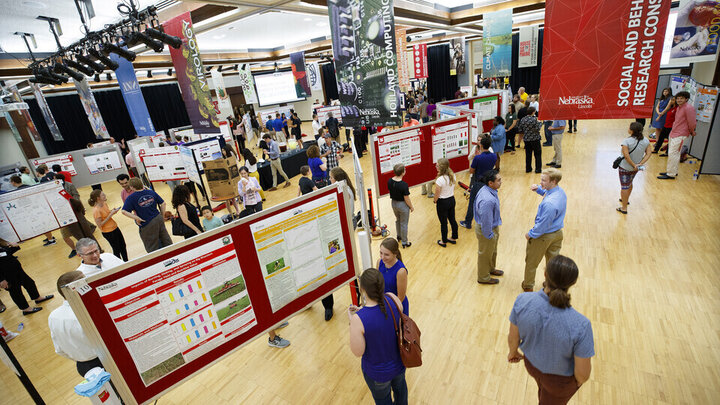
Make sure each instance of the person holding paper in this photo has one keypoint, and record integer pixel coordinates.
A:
(141, 206)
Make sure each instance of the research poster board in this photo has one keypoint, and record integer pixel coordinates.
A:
(164, 317)
(102, 165)
(478, 125)
(164, 164)
(33, 211)
(64, 160)
(207, 149)
(418, 148)
(324, 113)
(136, 146)
(489, 106)
(98, 162)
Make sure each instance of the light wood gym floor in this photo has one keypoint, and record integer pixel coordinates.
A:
(646, 282)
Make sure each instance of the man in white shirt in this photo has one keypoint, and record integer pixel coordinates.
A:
(316, 126)
(92, 260)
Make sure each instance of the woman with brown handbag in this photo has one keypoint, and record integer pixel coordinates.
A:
(372, 337)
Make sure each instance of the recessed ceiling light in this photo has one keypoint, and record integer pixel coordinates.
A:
(34, 4)
(307, 19)
(221, 36)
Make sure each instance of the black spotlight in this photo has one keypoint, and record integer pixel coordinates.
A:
(59, 67)
(175, 42)
(108, 76)
(49, 74)
(97, 78)
(169, 72)
(123, 53)
(79, 66)
(149, 74)
(111, 64)
(137, 37)
(94, 65)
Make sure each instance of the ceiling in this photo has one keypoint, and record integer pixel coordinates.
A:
(242, 31)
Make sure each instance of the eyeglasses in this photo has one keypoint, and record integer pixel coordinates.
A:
(90, 253)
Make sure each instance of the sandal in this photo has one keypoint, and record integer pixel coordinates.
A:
(441, 243)
(45, 298)
(618, 209)
(32, 311)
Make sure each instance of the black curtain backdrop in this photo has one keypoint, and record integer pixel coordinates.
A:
(329, 82)
(164, 102)
(440, 85)
(525, 77)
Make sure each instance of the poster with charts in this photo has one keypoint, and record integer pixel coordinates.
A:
(102, 162)
(174, 311)
(65, 161)
(450, 141)
(32, 211)
(299, 249)
(164, 164)
(705, 103)
(403, 147)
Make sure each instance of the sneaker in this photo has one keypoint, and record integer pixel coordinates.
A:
(48, 242)
(282, 325)
(465, 225)
(431, 195)
(72, 254)
(278, 342)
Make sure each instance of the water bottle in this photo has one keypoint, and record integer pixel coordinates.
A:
(695, 175)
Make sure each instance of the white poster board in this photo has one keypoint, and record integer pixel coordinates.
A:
(193, 173)
(65, 161)
(32, 211)
(137, 145)
(207, 150)
(102, 162)
(276, 110)
(324, 113)
(403, 147)
(450, 141)
(164, 164)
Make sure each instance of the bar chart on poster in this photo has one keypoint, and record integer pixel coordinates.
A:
(33, 211)
(450, 141)
(297, 249)
(402, 147)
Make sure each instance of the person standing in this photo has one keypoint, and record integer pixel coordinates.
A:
(13, 278)
(103, 216)
(636, 151)
(684, 126)
(498, 139)
(372, 337)
(278, 125)
(572, 126)
(660, 111)
(66, 175)
(487, 228)
(318, 167)
(249, 190)
(556, 340)
(142, 206)
(251, 164)
(557, 128)
(445, 202)
(186, 212)
(545, 238)
(333, 126)
(521, 93)
(422, 109)
(296, 130)
(401, 204)
(511, 129)
(394, 271)
(273, 152)
(124, 182)
(480, 165)
(669, 119)
(305, 184)
(316, 126)
(26, 177)
(529, 126)
(331, 151)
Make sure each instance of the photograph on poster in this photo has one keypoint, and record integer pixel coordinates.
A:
(102, 162)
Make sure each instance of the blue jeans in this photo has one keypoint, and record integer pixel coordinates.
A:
(381, 391)
(548, 134)
(470, 213)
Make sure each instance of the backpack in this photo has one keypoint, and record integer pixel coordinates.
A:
(408, 335)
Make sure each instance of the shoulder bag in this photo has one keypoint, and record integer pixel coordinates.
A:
(408, 335)
(619, 159)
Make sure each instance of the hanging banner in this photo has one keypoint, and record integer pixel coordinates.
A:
(497, 42)
(297, 63)
(457, 56)
(402, 63)
(364, 51)
(314, 78)
(601, 59)
(11, 123)
(248, 85)
(420, 61)
(528, 46)
(26, 114)
(91, 109)
(696, 32)
(224, 104)
(132, 94)
(477, 56)
(47, 114)
(191, 76)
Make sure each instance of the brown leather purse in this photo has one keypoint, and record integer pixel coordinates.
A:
(408, 335)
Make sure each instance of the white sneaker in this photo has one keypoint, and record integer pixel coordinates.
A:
(278, 342)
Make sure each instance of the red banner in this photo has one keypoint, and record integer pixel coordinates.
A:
(420, 61)
(601, 58)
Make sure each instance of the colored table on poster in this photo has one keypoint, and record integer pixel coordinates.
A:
(65, 161)
(450, 141)
(402, 147)
(32, 211)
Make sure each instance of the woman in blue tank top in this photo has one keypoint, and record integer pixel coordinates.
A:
(394, 271)
(372, 336)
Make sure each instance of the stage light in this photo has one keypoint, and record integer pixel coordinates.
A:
(111, 64)
(175, 42)
(97, 78)
(137, 37)
(149, 74)
(169, 72)
(78, 66)
(94, 65)
(59, 67)
(108, 76)
(123, 53)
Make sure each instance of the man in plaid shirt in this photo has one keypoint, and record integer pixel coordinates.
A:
(330, 150)
(529, 126)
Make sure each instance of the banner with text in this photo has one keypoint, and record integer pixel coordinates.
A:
(91, 109)
(364, 51)
(47, 114)
(420, 61)
(191, 76)
(313, 75)
(297, 63)
(26, 114)
(134, 100)
(224, 104)
(528, 48)
(497, 41)
(402, 62)
(248, 85)
(601, 59)
(696, 32)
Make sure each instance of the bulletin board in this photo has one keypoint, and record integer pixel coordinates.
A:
(487, 105)
(418, 148)
(166, 316)
(479, 123)
(84, 164)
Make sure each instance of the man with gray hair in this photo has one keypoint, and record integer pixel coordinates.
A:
(92, 260)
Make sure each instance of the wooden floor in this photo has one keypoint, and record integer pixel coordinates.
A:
(646, 282)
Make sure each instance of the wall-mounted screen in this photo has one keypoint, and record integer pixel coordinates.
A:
(276, 88)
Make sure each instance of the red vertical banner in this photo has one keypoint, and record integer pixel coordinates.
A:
(601, 58)
(191, 76)
(420, 61)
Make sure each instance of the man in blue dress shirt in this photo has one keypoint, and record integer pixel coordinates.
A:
(545, 238)
(487, 228)
(273, 152)
(278, 125)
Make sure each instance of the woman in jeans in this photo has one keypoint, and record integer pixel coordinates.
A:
(401, 204)
(186, 211)
(372, 336)
(109, 228)
(636, 150)
(557, 340)
(445, 201)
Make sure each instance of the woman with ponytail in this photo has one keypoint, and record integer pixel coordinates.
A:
(557, 341)
(108, 227)
(445, 201)
(393, 270)
(372, 336)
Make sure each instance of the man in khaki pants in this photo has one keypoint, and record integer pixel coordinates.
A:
(487, 227)
(545, 238)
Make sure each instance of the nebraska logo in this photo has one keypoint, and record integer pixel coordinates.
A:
(580, 101)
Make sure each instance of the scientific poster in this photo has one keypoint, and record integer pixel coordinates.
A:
(299, 249)
(696, 31)
(172, 312)
(403, 147)
(163, 163)
(705, 103)
(450, 141)
(497, 42)
(33, 211)
(65, 161)
(324, 113)
(364, 51)
(102, 162)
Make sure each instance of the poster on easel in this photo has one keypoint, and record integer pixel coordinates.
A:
(33, 211)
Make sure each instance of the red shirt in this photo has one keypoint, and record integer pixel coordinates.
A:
(670, 117)
(67, 175)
